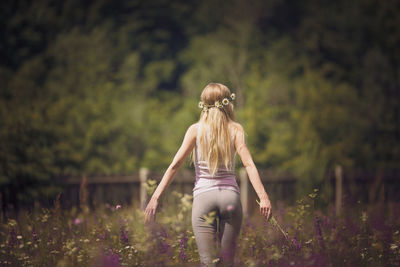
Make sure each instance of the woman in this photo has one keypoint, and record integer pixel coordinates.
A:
(214, 139)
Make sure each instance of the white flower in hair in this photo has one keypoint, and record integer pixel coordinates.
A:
(233, 96)
(225, 101)
(218, 104)
(201, 104)
(205, 108)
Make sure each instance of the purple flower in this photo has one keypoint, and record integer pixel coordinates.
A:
(123, 236)
(327, 221)
(296, 244)
(318, 232)
(163, 246)
(183, 244)
(111, 260)
(123, 233)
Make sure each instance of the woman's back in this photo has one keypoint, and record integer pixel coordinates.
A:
(223, 178)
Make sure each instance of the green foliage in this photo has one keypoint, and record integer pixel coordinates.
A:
(108, 87)
(150, 186)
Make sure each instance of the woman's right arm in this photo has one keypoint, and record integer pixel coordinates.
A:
(252, 172)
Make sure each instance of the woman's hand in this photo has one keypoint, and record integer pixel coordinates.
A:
(265, 208)
(150, 211)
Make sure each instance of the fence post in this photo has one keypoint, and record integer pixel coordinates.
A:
(244, 191)
(338, 189)
(143, 174)
(83, 193)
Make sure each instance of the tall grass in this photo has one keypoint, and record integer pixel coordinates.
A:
(299, 235)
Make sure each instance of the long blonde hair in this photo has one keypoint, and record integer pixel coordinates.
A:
(215, 142)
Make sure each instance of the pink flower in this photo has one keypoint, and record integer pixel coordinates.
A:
(77, 221)
(230, 207)
(118, 207)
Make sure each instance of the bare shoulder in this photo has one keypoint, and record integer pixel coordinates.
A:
(192, 130)
(238, 128)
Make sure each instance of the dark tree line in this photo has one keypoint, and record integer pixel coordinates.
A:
(104, 87)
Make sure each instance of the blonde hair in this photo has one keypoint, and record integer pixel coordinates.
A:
(214, 135)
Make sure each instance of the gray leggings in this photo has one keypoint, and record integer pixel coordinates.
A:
(216, 208)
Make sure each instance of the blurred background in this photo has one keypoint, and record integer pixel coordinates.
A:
(105, 88)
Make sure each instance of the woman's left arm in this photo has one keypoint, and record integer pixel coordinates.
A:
(187, 146)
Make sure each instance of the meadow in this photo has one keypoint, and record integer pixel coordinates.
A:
(115, 235)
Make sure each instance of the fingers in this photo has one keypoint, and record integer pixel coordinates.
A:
(265, 211)
(150, 211)
(149, 215)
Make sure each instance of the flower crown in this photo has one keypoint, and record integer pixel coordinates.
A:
(217, 104)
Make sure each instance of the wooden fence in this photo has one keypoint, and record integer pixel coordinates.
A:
(280, 187)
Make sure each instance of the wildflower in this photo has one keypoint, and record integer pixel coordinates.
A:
(77, 221)
(230, 207)
(123, 234)
(201, 105)
(183, 244)
(225, 101)
(318, 232)
(111, 260)
(233, 96)
(218, 104)
(118, 207)
(296, 244)
(163, 246)
(326, 221)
